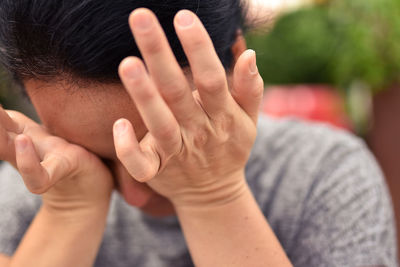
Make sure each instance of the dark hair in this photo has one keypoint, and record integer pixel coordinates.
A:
(87, 39)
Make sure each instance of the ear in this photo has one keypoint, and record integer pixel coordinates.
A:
(239, 46)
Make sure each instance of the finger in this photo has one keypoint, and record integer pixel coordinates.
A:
(9, 129)
(8, 123)
(35, 176)
(39, 176)
(21, 120)
(7, 148)
(141, 165)
(155, 113)
(248, 86)
(208, 72)
(162, 65)
(24, 125)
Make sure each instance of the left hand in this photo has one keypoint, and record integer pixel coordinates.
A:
(198, 142)
(64, 174)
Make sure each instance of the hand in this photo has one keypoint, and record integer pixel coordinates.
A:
(68, 177)
(198, 142)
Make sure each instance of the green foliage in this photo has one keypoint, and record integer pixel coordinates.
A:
(338, 43)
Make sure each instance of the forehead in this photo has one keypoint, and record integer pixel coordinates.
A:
(83, 116)
(61, 100)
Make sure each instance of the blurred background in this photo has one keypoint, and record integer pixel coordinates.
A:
(336, 62)
(330, 61)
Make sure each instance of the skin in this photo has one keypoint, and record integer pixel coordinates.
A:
(96, 118)
(171, 143)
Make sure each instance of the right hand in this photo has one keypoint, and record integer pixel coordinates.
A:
(68, 177)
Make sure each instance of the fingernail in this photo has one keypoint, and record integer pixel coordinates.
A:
(185, 18)
(253, 63)
(20, 144)
(120, 127)
(142, 21)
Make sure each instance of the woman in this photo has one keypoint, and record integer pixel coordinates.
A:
(173, 132)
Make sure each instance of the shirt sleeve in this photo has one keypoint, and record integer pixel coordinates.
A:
(347, 219)
(17, 209)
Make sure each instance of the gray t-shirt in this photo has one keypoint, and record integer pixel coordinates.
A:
(319, 188)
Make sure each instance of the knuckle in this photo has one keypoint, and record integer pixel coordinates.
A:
(168, 132)
(73, 150)
(25, 169)
(68, 165)
(71, 159)
(175, 95)
(152, 45)
(144, 93)
(257, 94)
(144, 175)
(123, 153)
(224, 123)
(259, 87)
(211, 83)
(201, 138)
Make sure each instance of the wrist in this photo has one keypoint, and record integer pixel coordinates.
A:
(72, 238)
(237, 230)
(213, 195)
(75, 214)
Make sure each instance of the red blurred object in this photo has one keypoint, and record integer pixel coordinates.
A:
(309, 102)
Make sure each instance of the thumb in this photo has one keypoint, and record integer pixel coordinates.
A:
(7, 149)
(248, 86)
(39, 176)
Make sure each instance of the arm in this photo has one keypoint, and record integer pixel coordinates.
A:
(231, 234)
(68, 229)
(56, 239)
(4, 260)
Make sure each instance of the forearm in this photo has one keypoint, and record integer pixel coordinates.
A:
(233, 234)
(62, 239)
